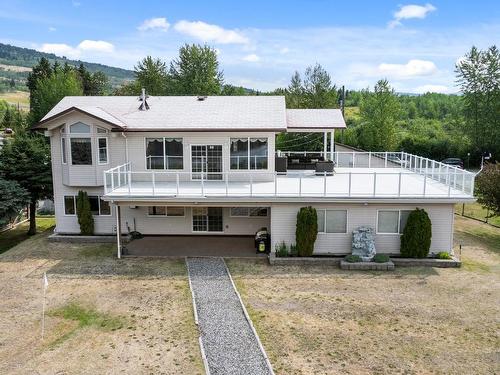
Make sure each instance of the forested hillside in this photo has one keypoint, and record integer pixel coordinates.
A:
(16, 63)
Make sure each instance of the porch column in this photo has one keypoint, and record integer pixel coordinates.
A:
(332, 144)
(325, 144)
(118, 232)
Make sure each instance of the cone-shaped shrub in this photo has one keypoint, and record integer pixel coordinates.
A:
(84, 214)
(416, 238)
(307, 231)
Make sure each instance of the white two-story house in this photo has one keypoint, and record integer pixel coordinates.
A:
(184, 165)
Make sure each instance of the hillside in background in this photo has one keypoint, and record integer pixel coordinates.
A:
(16, 63)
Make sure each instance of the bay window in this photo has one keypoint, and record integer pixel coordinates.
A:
(248, 153)
(102, 146)
(81, 151)
(164, 153)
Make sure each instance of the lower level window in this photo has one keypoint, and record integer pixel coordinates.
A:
(249, 211)
(332, 221)
(69, 205)
(392, 221)
(98, 207)
(165, 211)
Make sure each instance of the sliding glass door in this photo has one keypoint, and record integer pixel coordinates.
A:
(206, 162)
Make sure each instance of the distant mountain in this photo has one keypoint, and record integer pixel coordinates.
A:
(12, 57)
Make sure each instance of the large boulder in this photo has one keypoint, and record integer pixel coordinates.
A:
(363, 243)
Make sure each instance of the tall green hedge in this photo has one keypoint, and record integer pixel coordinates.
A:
(306, 231)
(416, 238)
(85, 218)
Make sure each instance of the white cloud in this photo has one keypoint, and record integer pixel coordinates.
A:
(432, 88)
(411, 11)
(251, 58)
(284, 50)
(96, 46)
(413, 68)
(210, 33)
(52, 29)
(60, 49)
(85, 47)
(159, 23)
(76, 4)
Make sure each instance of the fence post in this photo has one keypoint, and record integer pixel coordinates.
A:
(463, 209)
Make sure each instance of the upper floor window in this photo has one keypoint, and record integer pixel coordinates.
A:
(101, 130)
(81, 151)
(79, 128)
(63, 150)
(249, 153)
(164, 153)
(102, 145)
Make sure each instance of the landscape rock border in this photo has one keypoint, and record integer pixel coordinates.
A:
(367, 266)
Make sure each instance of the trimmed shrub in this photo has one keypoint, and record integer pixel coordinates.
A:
(281, 249)
(443, 255)
(306, 231)
(85, 218)
(416, 238)
(353, 258)
(293, 250)
(381, 258)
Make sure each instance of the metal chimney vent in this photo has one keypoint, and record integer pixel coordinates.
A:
(143, 99)
(201, 98)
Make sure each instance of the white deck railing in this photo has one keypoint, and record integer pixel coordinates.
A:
(357, 174)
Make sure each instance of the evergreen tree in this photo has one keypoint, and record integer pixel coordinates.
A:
(195, 72)
(12, 199)
(26, 160)
(319, 92)
(295, 92)
(92, 83)
(84, 214)
(416, 237)
(306, 231)
(39, 72)
(488, 188)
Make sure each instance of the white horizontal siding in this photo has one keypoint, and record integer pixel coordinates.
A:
(284, 217)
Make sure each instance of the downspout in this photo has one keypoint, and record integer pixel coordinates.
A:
(126, 146)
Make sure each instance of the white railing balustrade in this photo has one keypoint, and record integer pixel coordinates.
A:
(357, 174)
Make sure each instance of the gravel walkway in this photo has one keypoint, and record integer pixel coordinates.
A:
(230, 344)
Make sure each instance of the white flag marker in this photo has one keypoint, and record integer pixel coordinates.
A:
(45, 283)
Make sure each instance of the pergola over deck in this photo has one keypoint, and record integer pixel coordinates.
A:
(316, 121)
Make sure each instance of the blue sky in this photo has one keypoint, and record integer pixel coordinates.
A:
(261, 43)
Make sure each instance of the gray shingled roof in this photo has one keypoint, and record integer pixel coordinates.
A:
(181, 112)
(314, 119)
(187, 113)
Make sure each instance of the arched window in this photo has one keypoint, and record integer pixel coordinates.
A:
(80, 128)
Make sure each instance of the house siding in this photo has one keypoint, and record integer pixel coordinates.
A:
(284, 217)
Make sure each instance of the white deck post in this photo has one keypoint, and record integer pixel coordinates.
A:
(353, 159)
(350, 183)
(325, 144)
(275, 183)
(227, 184)
(332, 144)
(300, 185)
(425, 183)
(118, 232)
(374, 183)
(154, 182)
(129, 173)
(105, 182)
(369, 159)
(385, 163)
(112, 180)
(251, 184)
(119, 177)
(324, 183)
(399, 185)
(177, 182)
(202, 184)
(463, 182)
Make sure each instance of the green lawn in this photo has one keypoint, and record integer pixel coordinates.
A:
(476, 211)
(14, 236)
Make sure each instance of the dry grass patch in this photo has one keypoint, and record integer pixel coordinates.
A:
(131, 316)
(415, 320)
